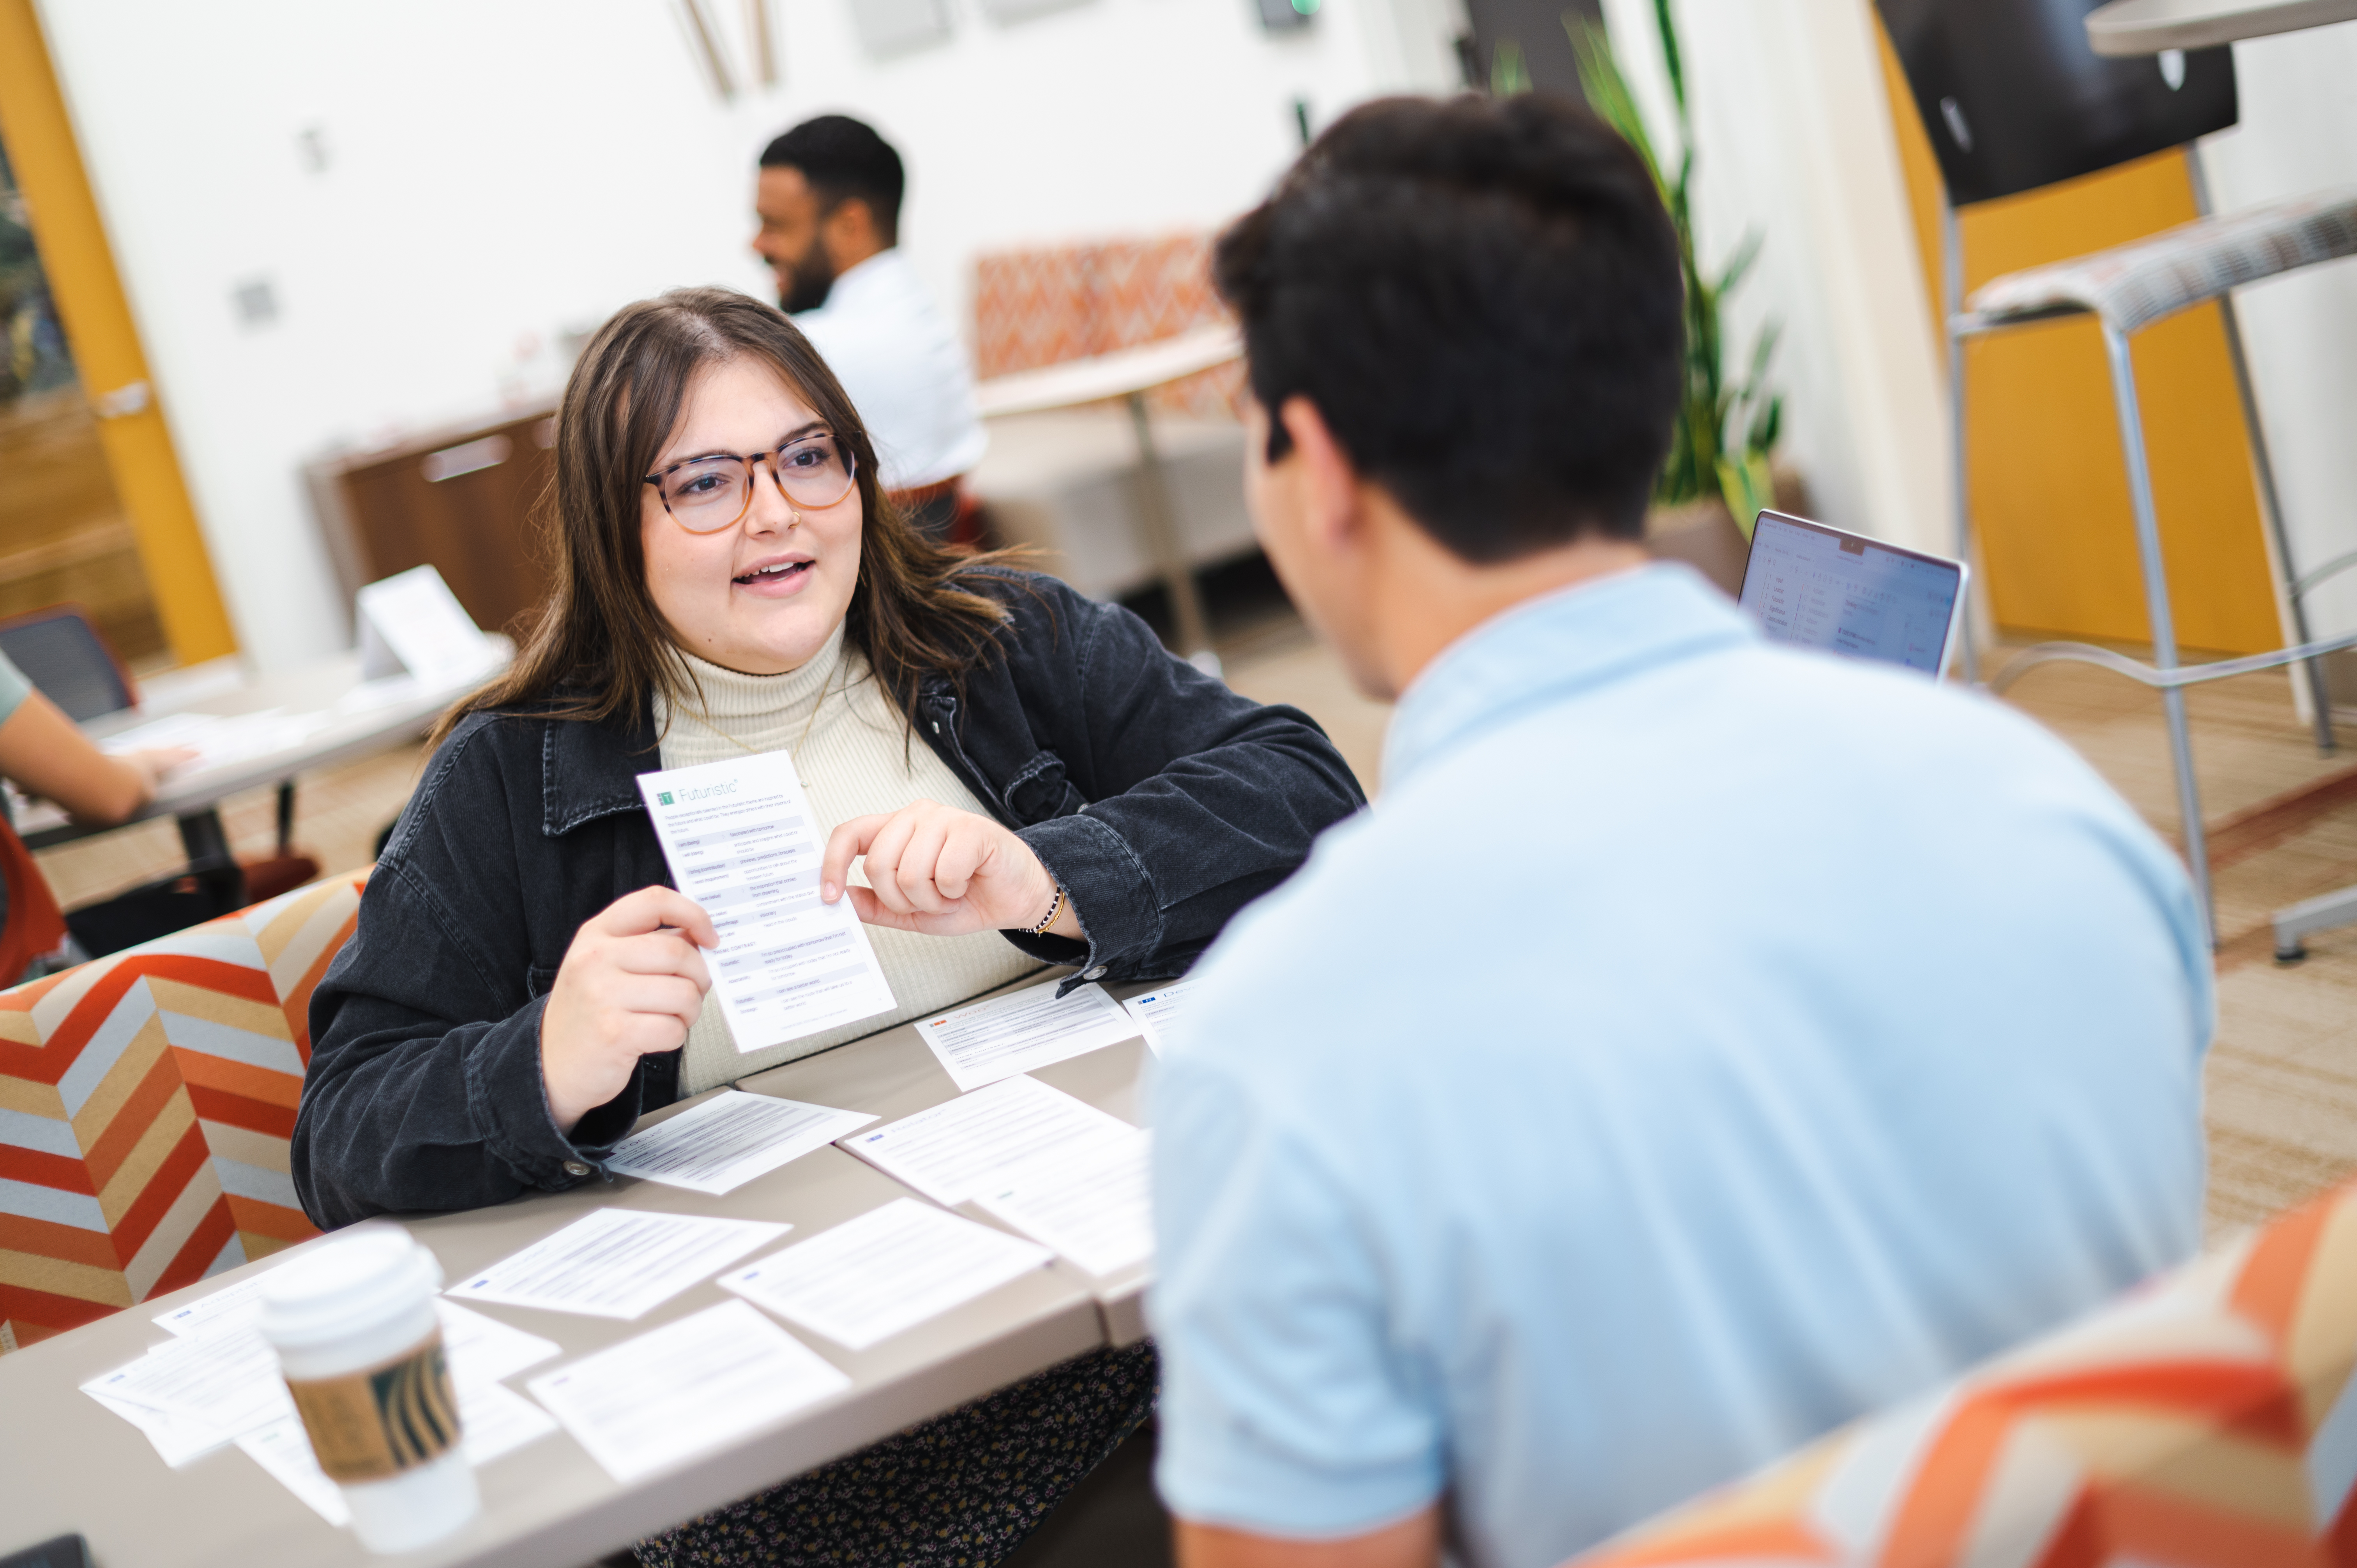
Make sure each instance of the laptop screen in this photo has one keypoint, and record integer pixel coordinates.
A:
(1821, 587)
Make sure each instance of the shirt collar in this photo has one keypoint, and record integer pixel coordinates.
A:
(854, 283)
(591, 771)
(1557, 646)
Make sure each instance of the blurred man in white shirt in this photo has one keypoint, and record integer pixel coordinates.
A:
(829, 201)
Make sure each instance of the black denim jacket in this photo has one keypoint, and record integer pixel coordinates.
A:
(1161, 801)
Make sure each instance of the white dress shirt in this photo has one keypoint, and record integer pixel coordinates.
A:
(898, 357)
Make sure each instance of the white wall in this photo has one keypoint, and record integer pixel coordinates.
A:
(1794, 139)
(2299, 133)
(498, 172)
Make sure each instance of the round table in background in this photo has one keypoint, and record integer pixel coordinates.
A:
(2149, 26)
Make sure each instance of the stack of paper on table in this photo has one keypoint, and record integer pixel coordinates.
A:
(617, 1262)
(729, 1139)
(218, 1382)
(1157, 1009)
(1033, 1028)
(885, 1272)
(1054, 1167)
(657, 1401)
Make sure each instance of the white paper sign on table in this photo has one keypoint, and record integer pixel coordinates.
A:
(1157, 1009)
(411, 621)
(1091, 1204)
(617, 1262)
(954, 1150)
(741, 842)
(1032, 1027)
(731, 1138)
(657, 1401)
(888, 1270)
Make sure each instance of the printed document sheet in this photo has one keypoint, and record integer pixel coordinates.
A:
(657, 1401)
(731, 1139)
(1032, 1027)
(888, 1270)
(741, 842)
(957, 1148)
(494, 1422)
(617, 1262)
(1157, 1009)
(217, 1381)
(1089, 1203)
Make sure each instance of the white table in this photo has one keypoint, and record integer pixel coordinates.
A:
(68, 1464)
(1129, 374)
(2148, 27)
(373, 717)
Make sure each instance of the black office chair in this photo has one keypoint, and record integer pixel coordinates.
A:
(64, 655)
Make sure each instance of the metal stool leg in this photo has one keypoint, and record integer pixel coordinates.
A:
(2164, 629)
(2319, 689)
(1952, 267)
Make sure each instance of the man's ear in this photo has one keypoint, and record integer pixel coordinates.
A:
(848, 232)
(1330, 485)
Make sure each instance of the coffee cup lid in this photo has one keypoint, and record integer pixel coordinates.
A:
(349, 1286)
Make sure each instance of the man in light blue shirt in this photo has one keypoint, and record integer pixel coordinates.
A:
(1700, 1043)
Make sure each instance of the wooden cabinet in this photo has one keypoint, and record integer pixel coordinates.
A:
(466, 501)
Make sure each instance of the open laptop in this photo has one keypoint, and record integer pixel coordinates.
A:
(1820, 587)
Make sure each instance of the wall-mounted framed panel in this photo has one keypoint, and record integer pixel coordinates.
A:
(897, 27)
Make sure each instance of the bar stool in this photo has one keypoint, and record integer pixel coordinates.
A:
(2127, 289)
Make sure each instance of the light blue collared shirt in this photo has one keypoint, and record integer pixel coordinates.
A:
(1699, 1043)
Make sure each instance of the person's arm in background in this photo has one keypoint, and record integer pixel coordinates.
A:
(44, 753)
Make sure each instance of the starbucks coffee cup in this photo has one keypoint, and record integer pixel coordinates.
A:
(354, 1326)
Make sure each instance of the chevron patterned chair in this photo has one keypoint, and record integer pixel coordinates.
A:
(146, 1103)
(2207, 1420)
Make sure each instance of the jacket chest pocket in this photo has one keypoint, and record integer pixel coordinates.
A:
(1040, 791)
(536, 982)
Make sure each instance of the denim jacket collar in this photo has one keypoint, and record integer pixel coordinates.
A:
(585, 774)
(1557, 646)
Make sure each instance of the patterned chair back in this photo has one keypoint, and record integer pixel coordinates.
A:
(2206, 1420)
(146, 1101)
(1046, 307)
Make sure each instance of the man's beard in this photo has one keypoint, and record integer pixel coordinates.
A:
(809, 284)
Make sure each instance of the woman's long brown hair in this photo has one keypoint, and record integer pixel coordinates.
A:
(600, 648)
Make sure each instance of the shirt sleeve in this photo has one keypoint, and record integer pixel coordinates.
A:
(1289, 1407)
(13, 688)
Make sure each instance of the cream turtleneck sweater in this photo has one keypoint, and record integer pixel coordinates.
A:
(854, 756)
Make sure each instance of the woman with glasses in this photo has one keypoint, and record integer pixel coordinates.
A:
(1028, 777)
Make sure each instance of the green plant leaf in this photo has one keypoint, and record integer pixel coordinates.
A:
(1749, 486)
(1705, 456)
(1510, 74)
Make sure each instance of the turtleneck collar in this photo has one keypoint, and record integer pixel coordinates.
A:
(747, 708)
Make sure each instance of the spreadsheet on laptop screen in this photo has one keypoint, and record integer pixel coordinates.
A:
(1822, 588)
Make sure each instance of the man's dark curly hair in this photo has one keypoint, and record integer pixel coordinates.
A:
(1482, 299)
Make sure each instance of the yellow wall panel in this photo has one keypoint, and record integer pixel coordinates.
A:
(2050, 496)
(97, 321)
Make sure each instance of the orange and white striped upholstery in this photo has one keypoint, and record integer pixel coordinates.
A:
(147, 1100)
(2205, 1420)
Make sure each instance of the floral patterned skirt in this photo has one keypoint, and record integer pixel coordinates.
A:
(960, 1491)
